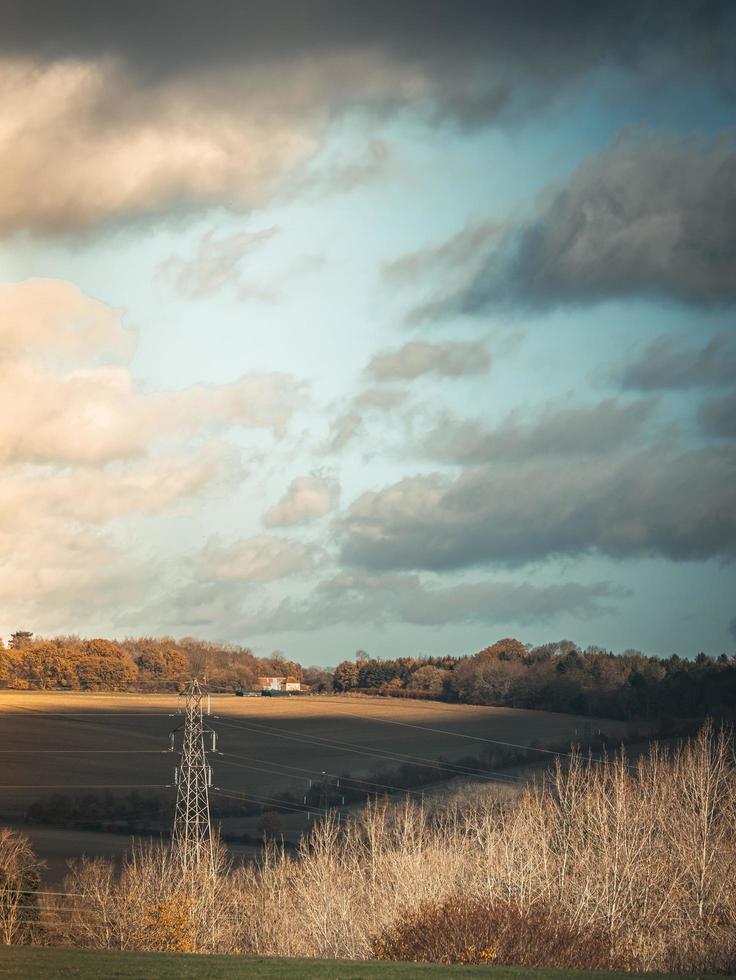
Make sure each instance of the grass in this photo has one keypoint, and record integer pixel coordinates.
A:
(21, 962)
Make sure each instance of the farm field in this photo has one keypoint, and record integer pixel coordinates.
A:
(58, 742)
(17, 963)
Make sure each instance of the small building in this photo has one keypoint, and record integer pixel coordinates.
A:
(279, 684)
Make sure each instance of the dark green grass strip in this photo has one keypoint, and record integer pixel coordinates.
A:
(24, 962)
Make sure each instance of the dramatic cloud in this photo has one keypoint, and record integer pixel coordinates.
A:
(386, 599)
(307, 498)
(652, 214)
(147, 109)
(260, 559)
(664, 364)
(452, 40)
(676, 505)
(416, 358)
(120, 150)
(718, 417)
(217, 263)
(594, 429)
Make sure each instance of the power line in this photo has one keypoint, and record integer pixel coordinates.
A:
(87, 715)
(444, 731)
(33, 891)
(311, 772)
(90, 786)
(83, 751)
(377, 754)
(477, 738)
(248, 797)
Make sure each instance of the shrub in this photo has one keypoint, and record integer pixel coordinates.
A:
(168, 925)
(466, 930)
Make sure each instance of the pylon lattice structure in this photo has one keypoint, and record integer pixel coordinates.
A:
(191, 837)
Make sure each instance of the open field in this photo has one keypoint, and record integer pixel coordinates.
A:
(77, 743)
(17, 963)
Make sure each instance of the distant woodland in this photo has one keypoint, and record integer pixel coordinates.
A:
(556, 676)
(144, 664)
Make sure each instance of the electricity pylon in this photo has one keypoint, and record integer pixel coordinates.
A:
(191, 837)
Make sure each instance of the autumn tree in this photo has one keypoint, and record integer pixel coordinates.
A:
(346, 676)
(506, 649)
(484, 679)
(429, 679)
(318, 679)
(20, 639)
(160, 664)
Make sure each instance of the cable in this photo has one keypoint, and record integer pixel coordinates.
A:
(32, 891)
(351, 746)
(312, 772)
(247, 798)
(92, 786)
(477, 738)
(379, 754)
(443, 731)
(92, 714)
(82, 751)
(44, 908)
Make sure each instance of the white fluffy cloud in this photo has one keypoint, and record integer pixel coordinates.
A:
(307, 498)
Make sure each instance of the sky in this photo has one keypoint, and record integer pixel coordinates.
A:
(330, 326)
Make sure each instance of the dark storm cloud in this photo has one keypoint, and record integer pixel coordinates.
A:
(391, 598)
(551, 43)
(664, 364)
(661, 503)
(652, 214)
(593, 429)
(145, 109)
(732, 628)
(718, 417)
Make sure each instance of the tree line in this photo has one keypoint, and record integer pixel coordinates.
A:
(556, 676)
(145, 664)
